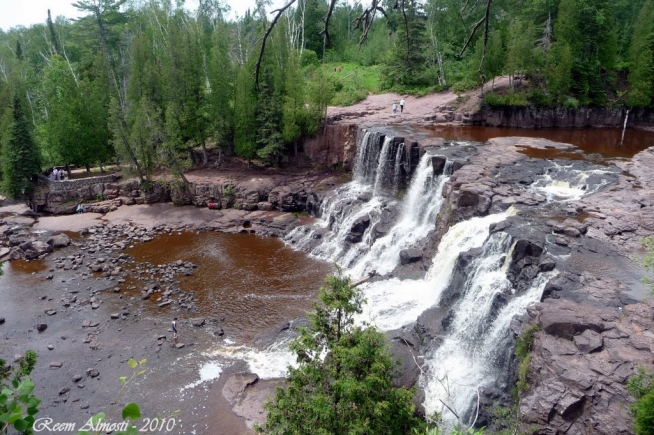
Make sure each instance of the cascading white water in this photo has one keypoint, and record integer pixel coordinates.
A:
(377, 174)
(565, 183)
(470, 357)
(420, 209)
(397, 171)
(394, 303)
(384, 166)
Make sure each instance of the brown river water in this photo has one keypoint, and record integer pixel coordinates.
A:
(252, 282)
(605, 142)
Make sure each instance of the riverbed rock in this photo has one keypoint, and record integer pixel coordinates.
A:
(198, 322)
(41, 327)
(588, 341)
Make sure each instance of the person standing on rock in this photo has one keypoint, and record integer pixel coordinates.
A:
(394, 108)
(55, 174)
(402, 105)
(174, 327)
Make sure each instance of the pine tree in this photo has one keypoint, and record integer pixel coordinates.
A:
(21, 161)
(245, 104)
(343, 383)
(586, 26)
(269, 138)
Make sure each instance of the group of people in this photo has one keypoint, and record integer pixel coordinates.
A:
(56, 174)
(84, 208)
(401, 107)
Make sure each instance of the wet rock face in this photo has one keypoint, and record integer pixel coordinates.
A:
(359, 227)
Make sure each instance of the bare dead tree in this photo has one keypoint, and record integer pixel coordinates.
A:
(257, 68)
(485, 19)
(326, 37)
(367, 17)
(399, 4)
(478, 24)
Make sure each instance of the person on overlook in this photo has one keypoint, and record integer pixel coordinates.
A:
(402, 105)
(394, 108)
(55, 174)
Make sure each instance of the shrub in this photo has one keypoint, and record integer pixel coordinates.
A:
(523, 347)
(641, 387)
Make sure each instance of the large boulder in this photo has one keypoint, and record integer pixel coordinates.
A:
(33, 249)
(569, 319)
(59, 241)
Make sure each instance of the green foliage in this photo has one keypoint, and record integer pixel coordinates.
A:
(470, 431)
(20, 157)
(353, 82)
(512, 99)
(641, 387)
(406, 62)
(18, 406)
(641, 56)
(523, 347)
(343, 382)
(103, 86)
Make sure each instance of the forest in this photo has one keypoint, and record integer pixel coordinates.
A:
(151, 85)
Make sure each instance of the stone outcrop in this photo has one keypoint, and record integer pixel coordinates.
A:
(532, 117)
(335, 145)
(266, 192)
(581, 362)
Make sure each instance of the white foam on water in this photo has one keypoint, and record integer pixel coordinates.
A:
(208, 372)
(269, 363)
(564, 183)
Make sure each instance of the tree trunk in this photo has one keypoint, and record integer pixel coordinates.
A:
(205, 156)
(295, 147)
(69, 173)
(88, 168)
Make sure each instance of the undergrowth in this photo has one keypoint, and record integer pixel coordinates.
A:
(524, 343)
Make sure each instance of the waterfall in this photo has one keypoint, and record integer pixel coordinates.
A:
(365, 162)
(397, 171)
(394, 303)
(383, 174)
(472, 355)
(362, 203)
(624, 127)
(420, 208)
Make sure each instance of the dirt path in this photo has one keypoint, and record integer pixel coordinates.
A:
(440, 107)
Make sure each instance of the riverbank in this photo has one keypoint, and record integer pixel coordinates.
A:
(112, 294)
